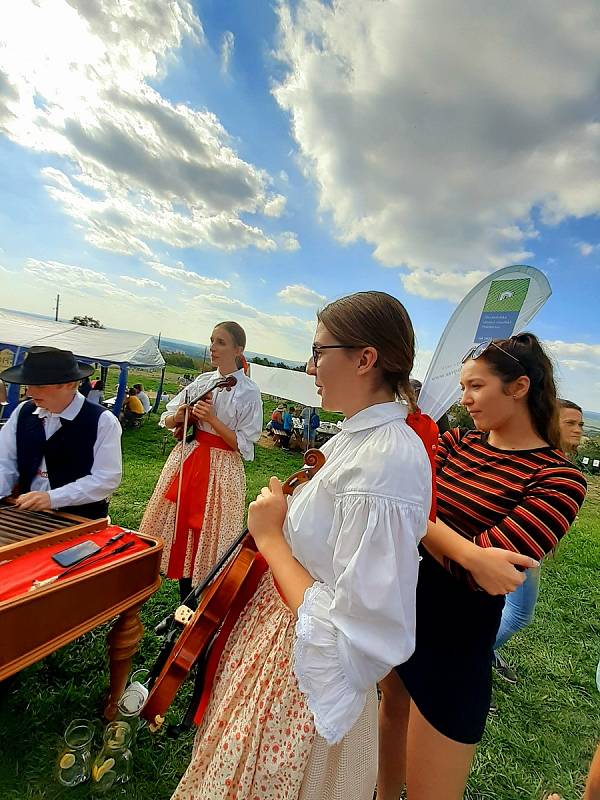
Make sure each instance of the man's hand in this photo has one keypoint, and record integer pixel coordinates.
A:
(34, 501)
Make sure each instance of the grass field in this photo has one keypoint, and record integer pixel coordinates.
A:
(542, 738)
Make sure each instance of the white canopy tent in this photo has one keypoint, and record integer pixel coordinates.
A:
(105, 346)
(286, 383)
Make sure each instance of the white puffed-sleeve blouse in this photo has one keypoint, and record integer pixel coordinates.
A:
(355, 527)
(240, 408)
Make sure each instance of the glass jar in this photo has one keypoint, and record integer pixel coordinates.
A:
(129, 707)
(112, 765)
(74, 764)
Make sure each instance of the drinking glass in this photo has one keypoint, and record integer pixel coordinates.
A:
(74, 764)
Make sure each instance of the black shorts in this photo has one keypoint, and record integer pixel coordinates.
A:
(449, 676)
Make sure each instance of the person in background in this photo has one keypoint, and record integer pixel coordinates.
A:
(434, 706)
(96, 395)
(288, 427)
(132, 410)
(443, 422)
(276, 421)
(519, 608)
(58, 451)
(227, 423)
(142, 397)
(571, 427)
(85, 386)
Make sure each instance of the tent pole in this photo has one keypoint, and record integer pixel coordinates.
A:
(159, 391)
(121, 390)
(12, 394)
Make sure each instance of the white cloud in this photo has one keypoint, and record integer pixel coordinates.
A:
(143, 283)
(299, 295)
(288, 241)
(575, 364)
(282, 335)
(446, 285)
(586, 249)
(227, 47)
(275, 206)
(86, 283)
(432, 131)
(74, 81)
(191, 279)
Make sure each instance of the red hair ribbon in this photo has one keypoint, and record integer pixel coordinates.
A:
(244, 364)
(427, 431)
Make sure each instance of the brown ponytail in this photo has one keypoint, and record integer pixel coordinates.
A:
(376, 319)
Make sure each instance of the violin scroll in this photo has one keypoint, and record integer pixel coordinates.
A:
(221, 383)
(313, 461)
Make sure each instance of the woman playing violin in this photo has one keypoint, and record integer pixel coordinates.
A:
(293, 711)
(227, 422)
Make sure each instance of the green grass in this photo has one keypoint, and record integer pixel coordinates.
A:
(542, 739)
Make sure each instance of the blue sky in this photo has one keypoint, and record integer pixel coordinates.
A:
(170, 165)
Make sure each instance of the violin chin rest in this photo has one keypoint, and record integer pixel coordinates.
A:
(183, 615)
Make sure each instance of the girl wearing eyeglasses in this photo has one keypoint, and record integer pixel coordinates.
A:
(293, 710)
(506, 495)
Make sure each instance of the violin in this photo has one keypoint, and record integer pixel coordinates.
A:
(219, 383)
(232, 579)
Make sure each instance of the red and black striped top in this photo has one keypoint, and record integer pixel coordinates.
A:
(520, 500)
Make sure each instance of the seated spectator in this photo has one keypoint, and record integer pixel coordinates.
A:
(85, 387)
(142, 397)
(96, 395)
(132, 410)
(276, 423)
(288, 428)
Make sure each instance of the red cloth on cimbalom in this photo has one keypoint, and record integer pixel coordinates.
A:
(194, 490)
(16, 576)
(428, 432)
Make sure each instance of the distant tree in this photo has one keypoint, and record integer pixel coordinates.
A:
(459, 417)
(87, 322)
(266, 363)
(178, 359)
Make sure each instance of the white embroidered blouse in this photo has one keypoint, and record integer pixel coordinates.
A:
(355, 527)
(240, 408)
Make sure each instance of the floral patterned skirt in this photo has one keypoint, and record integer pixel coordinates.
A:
(223, 516)
(258, 740)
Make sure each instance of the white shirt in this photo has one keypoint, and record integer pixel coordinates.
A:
(355, 527)
(240, 408)
(106, 470)
(144, 400)
(96, 396)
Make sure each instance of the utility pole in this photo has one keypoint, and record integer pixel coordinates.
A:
(56, 311)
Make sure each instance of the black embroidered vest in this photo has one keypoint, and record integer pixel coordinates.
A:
(69, 452)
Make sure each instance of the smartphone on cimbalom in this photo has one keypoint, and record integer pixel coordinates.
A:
(72, 555)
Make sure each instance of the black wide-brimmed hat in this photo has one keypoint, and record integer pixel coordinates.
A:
(47, 365)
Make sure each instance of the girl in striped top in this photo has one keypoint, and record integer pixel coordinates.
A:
(506, 495)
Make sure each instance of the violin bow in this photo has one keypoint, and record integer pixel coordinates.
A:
(182, 458)
(313, 461)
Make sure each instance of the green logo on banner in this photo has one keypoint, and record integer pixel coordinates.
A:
(507, 295)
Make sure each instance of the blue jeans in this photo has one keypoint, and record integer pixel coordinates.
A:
(519, 607)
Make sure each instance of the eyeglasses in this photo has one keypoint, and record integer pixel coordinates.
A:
(479, 349)
(316, 349)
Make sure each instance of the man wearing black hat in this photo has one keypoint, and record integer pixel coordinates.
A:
(57, 450)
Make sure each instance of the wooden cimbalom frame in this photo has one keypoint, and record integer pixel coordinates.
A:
(36, 623)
